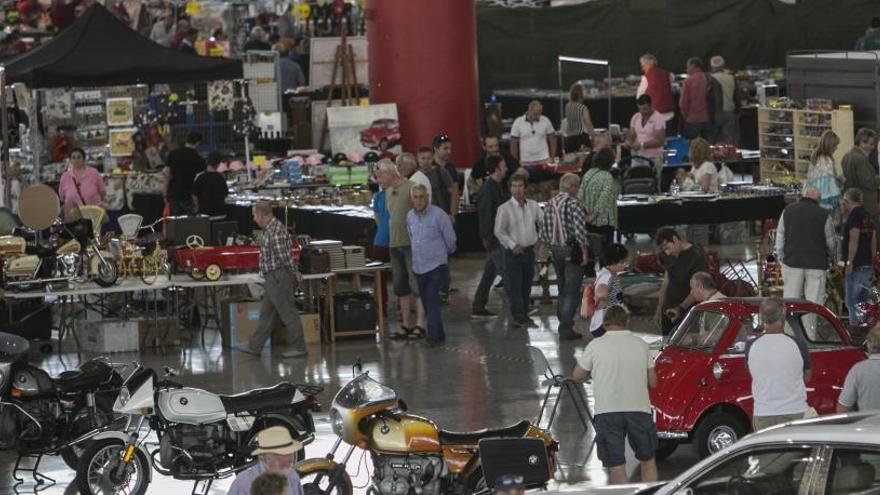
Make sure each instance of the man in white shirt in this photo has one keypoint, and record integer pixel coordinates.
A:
(532, 137)
(517, 224)
(726, 119)
(622, 370)
(408, 166)
(780, 369)
(861, 389)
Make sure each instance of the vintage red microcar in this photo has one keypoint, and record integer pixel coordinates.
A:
(704, 394)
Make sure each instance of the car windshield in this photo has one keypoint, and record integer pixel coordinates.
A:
(701, 330)
(364, 391)
(12, 347)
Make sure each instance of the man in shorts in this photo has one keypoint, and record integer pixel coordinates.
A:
(622, 370)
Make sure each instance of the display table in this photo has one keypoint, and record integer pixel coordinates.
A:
(647, 216)
(377, 272)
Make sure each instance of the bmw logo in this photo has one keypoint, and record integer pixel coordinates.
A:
(183, 401)
(533, 460)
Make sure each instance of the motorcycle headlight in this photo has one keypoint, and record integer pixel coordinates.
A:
(336, 422)
(124, 396)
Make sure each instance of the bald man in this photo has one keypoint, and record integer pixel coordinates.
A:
(806, 249)
(532, 137)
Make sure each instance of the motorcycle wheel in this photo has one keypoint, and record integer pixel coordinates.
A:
(107, 274)
(96, 471)
(83, 423)
(149, 270)
(314, 474)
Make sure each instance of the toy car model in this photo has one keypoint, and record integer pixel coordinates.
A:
(831, 454)
(382, 134)
(703, 392)
(210, 262)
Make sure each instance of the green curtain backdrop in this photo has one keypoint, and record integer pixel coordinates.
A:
(518, 47)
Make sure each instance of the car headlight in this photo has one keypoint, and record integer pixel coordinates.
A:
(717, 370)
(336, 422)
(124, 396)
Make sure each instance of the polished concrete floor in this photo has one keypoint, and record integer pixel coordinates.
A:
(482, 377)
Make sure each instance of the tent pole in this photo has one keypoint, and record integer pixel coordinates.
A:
(5, 200)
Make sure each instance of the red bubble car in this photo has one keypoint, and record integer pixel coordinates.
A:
(704, 395)
(211, 262)
(382, 134)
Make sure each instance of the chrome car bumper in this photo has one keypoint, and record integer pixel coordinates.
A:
(672, 435)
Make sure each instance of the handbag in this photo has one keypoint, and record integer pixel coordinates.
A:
(314, 261)
(588, 302)
(576, 254)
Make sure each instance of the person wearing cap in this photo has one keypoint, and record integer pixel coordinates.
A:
(509, 484)
(726, 120)
(209, 189)
(275, 454)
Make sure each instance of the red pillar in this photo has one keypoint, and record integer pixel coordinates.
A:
(423, 56)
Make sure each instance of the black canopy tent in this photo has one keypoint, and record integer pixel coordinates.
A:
(100, 50)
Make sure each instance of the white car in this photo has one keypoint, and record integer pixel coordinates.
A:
(827, 455)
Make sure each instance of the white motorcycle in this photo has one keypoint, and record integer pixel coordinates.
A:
(201, 436)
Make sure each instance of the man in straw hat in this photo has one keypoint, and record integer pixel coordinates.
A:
(275, 454)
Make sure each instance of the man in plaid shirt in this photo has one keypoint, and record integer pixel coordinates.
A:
(565, 231)
(282, 277)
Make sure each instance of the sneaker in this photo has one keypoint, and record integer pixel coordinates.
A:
(483, 313)
(296, 353)
(246, 348)
(570, 336)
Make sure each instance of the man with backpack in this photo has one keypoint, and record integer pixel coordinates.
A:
(701, 102)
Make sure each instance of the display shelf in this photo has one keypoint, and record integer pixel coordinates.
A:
(806, 127)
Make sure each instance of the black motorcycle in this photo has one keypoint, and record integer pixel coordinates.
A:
(41, 415)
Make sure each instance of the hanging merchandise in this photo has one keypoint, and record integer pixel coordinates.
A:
(220, 96)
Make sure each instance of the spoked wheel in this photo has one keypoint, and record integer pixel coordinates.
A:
(102, 470)
(83, 422)
(107, 273)
(213, 272)
(315, 475)
(149, 270)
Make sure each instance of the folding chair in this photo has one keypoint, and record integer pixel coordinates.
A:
(566, 385)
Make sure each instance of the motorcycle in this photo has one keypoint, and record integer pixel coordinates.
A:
(201, 436)
(409, 453)
(76, 257)
(41, 415)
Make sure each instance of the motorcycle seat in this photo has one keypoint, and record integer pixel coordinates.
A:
(90, 376)
(260, 398)
(474, 437)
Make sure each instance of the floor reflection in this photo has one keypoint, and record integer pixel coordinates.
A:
(483, 377)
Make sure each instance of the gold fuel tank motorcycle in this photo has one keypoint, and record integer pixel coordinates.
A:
(410, 454)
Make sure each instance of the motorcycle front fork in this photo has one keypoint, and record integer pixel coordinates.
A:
(133, 444)
(338, 467)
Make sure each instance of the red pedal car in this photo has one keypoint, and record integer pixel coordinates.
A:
(210, 262)
(704, 394)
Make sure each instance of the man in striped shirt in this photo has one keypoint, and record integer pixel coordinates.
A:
(564, 229)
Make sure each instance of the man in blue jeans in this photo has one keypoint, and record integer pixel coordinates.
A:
(564, 229)
(432, 239)
(516, 227)
(859, 247)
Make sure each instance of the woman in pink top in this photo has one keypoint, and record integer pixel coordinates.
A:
(80, 184)
(648, 131)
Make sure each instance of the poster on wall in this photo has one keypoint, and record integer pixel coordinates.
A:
(364, 128)
(120, 111)
(121, 142)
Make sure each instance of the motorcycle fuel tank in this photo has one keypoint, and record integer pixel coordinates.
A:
(33, 382)
(405, 434)
(190, 406)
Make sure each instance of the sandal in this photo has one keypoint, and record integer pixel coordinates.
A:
(404, 334)
(416, 333)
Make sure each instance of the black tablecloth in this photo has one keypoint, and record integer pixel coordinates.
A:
(647, 218)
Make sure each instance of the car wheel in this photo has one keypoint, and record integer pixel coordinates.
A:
(665, 448)
(213, 272)
(716, 432)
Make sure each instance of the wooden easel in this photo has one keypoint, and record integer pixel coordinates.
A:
(343, 61)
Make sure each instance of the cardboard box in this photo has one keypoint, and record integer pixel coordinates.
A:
(239, 320)
(110, 335)
(150, 332)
